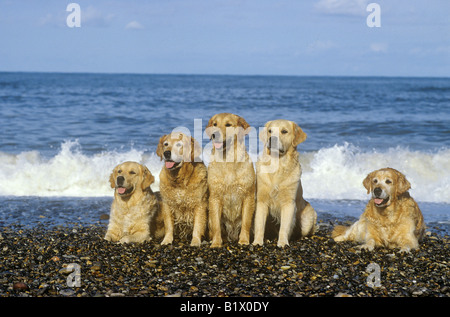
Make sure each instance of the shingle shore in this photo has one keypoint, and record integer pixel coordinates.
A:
(76, 261)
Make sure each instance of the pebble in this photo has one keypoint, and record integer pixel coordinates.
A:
(310, 267)
(20, 286)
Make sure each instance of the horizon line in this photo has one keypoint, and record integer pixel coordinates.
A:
(221, 74)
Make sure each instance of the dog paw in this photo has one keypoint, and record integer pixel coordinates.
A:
(258, 242)
(196, 242)
(368, 247)
(405, 250)
(339, 238)
(244, 242)
(124, 240)
(282, 244)
(166, 241)
(216, 244)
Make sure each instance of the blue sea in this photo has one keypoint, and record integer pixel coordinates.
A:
(62, 134)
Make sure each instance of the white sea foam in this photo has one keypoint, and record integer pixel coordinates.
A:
(69, 173)
(338, 172)
(334, 173)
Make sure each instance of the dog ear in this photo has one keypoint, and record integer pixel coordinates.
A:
(403, 185)
(147, 178)
(299, 135)
(263, 132)
(242, 123)
(196, 149)
(112, 178)
(209, 129)
(242, 128)
(367, 182)
(159, 148)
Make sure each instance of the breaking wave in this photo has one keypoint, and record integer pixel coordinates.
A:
(334, 173)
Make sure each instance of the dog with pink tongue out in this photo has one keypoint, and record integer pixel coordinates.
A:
(135, 211)
(391, 218)
(184, 189)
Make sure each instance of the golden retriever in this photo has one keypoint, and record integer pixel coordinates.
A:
(183, 187)
(135, 207)
(231, 180)
(391, 219)
(279, 188)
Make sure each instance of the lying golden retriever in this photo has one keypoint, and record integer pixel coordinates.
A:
(279, 188)
(183, 187)
(231, 180)
(391, 219)
(135, 207)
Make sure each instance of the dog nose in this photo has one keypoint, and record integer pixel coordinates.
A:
(377, 191)
(167, 155)
(120, 180)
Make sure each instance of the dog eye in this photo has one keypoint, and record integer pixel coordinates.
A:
(166, 144)
(284, 131)
(270, 130)
(215, 124)
(132, 172)
(388, 181)
(228, 125)
(119, 171)
(375, 181)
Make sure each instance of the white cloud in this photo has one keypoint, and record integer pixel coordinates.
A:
(343, 7)
(93, 17)
(319, 46)
(379, 47)
(134, 25)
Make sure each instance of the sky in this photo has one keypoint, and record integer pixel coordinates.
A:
(242, 37)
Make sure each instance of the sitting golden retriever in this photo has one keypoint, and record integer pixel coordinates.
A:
(231, 180)
(391, 219)
(135, 207)
(183, 187)
(279, 188)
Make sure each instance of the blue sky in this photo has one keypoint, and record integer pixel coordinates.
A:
(251, 37)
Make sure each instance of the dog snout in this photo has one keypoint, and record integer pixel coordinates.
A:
(167, 155)
(377, 191)
(216, 136)
(273, 142)
(120, 180)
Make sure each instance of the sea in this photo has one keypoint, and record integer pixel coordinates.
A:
(63, 133)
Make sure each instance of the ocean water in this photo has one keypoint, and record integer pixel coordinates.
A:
(62, 134)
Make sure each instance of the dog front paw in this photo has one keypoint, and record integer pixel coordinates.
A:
(367, 246)
(282, 243)
(216, 244)
(258, 242)
(167, 241)
(196, 242)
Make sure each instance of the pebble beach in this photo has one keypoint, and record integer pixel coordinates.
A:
(75, 261)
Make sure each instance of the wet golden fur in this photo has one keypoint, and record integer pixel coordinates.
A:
(231, 180)
(279, 188)
(183, 188)
(391, 219)
(133, 213)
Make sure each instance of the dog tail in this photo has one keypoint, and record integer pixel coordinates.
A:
(338, 231)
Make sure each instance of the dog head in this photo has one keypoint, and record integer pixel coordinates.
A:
(176, 148)
(386, 185)
(278, 136)
(129, 177)
(223, 128)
